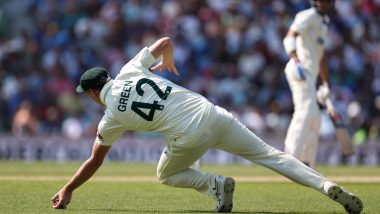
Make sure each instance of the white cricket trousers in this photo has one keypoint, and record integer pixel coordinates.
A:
(303, 133)
(223, 131)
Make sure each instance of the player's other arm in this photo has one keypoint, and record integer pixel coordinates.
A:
(290, 44)
(324, 73)
(164, 48)
(323, 92)
(85, 172)
(291, 50)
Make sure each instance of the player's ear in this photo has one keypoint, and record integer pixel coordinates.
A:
(92, 93)
(89, 92)
(95, 95)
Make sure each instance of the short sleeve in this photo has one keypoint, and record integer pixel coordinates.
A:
(302, 22)
(142, 61)
(109, 131)
(145, 57)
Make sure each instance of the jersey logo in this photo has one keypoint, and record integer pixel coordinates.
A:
(320, 40)
(99, 136)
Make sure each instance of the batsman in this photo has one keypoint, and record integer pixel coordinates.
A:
(305, 43)
(138, 99)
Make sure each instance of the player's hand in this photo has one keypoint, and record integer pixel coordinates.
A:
(166, 63)
(323, 93)
(300, 71)
(61, 199)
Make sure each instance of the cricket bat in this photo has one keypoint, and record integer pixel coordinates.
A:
(342, 135)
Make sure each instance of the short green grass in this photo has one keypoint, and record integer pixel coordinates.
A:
(127, 169)
(18, 196)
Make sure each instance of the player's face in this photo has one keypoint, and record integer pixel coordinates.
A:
(324, 6)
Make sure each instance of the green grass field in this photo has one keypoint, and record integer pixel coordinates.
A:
(28, 187)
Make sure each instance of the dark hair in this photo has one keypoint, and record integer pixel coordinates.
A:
(99, 87)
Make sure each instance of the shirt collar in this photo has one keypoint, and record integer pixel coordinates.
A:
(104, 91)
(325, 18)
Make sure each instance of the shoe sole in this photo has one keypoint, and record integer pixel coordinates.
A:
(229, 188)
(351, 203)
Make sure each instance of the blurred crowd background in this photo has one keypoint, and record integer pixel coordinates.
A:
(227, 50)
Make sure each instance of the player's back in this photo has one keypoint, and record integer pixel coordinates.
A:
(142, 100)
(151, 103)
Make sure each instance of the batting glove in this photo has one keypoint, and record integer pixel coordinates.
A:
(323, 93)
(300, 70)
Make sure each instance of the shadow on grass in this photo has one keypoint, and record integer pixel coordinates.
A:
(141, 211)
(188, 211)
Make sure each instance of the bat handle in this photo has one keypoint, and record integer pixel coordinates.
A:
(330, 106)
(335, 117)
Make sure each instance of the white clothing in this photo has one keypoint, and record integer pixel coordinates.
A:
(303, 133)
(310, 44)
(222, 131)
(192, 125)
(136, 100)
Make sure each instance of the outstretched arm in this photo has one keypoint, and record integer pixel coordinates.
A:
(164, 48)
(85, 172)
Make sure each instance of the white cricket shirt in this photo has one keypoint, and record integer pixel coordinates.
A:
(312, 29)
(139, 100)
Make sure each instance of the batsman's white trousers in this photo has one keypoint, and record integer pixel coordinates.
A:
(303, 133)
(223, 131)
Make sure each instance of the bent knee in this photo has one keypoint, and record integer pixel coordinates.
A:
(163, 179)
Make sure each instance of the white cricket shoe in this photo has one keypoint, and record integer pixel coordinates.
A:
(351, 203)
(224, 190)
